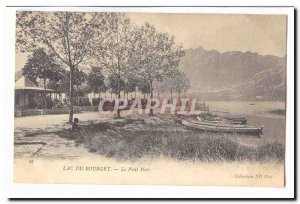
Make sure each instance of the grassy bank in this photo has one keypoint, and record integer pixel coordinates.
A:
(136, 139)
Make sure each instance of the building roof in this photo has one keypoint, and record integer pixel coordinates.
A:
(24, 83)
(18, 75)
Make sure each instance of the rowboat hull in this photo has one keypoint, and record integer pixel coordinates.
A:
(235, 129)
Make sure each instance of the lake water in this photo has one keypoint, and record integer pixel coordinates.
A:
(257, 114)
(246, 107)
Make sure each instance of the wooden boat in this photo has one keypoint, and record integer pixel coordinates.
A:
(237, 120)
(226, 128)
(218, 123)
(232, 119)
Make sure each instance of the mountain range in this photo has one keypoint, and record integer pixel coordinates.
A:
(234, 75)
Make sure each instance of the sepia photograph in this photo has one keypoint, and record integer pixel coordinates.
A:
(150, 98)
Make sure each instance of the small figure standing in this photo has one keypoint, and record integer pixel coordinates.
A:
(75, 126)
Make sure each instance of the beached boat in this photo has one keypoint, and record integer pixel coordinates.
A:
(229, 118)
(237, 120)
(222, 127)
(218, 123)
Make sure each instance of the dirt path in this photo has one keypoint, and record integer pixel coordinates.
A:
(35, 137)
(49, 146)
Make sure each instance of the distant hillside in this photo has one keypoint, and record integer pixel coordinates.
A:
(235, 75)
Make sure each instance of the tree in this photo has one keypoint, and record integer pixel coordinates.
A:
(79, 78)
(66, 35)
(113, 53)
(114, 84)
(155, 55)
(181, 83)
(186, 84)
(41, 65)
(131, 84)
(161, 87)
(175, 81)
(95, 80)
(144, 88)
(170, 84)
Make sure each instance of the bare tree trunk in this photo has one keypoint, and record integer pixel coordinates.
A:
(72, 67)
(77, 94)
(45, 93)
(151, 97)
(71, 95)
(119, 94)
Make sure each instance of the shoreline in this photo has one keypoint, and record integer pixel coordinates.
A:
(58, 160)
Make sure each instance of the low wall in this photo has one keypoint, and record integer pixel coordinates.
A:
(89, 108)
(64, 110)
(19, 113)
(28, 112)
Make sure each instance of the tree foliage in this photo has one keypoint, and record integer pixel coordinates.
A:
(115, 85)
(66, 35)
(156, 53)
(79, 79)
(95, 80)
(175, 81)
(114, 52)
(40, 65)
(124, 56)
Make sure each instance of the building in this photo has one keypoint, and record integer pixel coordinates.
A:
(26, 90)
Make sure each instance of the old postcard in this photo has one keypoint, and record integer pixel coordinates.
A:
(150, 98)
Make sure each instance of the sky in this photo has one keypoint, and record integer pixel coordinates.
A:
(264, 34)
